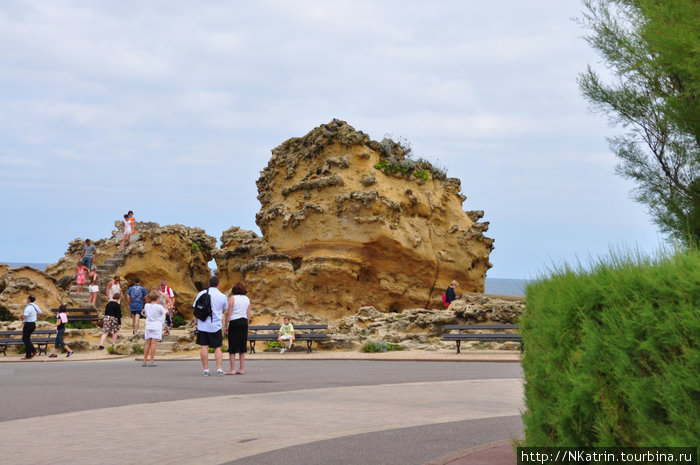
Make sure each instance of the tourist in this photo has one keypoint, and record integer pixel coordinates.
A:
(132, 220)
(113, 287)
(112, 321)
(61, 320)
(237, 316)
(135, 296)
(80, 277)
(93, 288)
(127, 232)
(155, 316)
(31, 312)
(209, 331)
(168, 297)
(286, 335)
(89, 253)
(450, 295)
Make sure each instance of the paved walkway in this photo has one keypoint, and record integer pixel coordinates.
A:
(305, 412)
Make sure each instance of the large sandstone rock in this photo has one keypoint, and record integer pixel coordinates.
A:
(16, 284)
(340, 233)
(176, 253)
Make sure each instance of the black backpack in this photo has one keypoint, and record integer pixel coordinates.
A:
(202, 307)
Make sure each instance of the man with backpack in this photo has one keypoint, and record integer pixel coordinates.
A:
(208, 309)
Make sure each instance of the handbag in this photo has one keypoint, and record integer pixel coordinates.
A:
(101, 322)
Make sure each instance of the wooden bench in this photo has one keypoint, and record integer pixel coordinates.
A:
(14, 338)
(271, 333)
(80, 314)
(465, 333)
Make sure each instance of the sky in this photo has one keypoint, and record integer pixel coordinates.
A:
(171, 108)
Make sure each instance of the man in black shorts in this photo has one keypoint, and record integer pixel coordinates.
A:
(209, 330)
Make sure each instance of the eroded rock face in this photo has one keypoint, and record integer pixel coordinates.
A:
(16, 284)
(340, 234)
(176, 253)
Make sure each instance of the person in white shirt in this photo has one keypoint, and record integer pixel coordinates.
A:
(155, 317)
(237, 316)
(209, 330)
(31, 312)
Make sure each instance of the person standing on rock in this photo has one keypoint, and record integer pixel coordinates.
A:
(128, 230)
(450, 294)
(61, 320)
(135, 296)
(112, 321)
(89, 253)
(209, 330)
(155, 317)
(114, 287)
(93, 288)
(80, 277)
(31, 312)
(236, 327)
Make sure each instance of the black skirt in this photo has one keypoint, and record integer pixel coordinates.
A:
(237, 336)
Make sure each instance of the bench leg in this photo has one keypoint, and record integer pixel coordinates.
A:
(3, 349)
(458, 344)
(252, 346)
(308, 346)
(42, 348)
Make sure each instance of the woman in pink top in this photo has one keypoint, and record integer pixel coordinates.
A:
(80, 276)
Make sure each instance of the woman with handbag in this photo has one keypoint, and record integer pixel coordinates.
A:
(112, 321)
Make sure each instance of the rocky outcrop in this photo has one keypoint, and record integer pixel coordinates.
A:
(176, 253)
(350, 222)
(16, 284)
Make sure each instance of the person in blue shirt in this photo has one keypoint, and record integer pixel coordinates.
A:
(450, 294)
(136, 295)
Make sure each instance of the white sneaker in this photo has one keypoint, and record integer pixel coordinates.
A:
(219, 372)
(282, 351)
(206, 372)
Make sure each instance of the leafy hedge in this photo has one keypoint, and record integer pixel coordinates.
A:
(612, 355)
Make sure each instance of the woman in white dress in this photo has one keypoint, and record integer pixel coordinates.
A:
(155, 317)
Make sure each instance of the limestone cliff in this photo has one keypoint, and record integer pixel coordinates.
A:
(16, 284)
(350, 222)
(176, 253)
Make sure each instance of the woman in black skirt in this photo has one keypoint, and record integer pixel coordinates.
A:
(237, 315)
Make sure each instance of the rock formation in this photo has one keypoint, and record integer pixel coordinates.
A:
(350, 222)
(176, 253)
(16, 284)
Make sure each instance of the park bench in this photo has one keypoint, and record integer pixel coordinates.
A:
(14, 338)
(271, 333)
(465, 333)
(80, 314)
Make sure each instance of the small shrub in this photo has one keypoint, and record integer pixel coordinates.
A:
(390, 346)
(223, 349)
(272, 345)
(5, 314)
(422, 174)
(137, 348)
(79, 325)
(178, 320)
(110, 350)
(375, 346)
(195, 247)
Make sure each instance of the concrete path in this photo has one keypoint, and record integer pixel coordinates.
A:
(305, 412)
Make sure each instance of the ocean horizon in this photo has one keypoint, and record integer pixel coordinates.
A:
(503, 286)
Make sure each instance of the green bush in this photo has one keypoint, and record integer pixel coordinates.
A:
(137, 348)
(178, 320)
(223, 349)
(5, 314)
(390, 346)
(273, 345)
(112, 351)
(612, 354)
(79, 325)
(375, 346)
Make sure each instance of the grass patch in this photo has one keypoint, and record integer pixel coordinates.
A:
(375, 347)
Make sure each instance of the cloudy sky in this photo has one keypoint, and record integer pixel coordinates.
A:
(170, 108)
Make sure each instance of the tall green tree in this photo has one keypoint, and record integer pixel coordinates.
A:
(651, 49)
